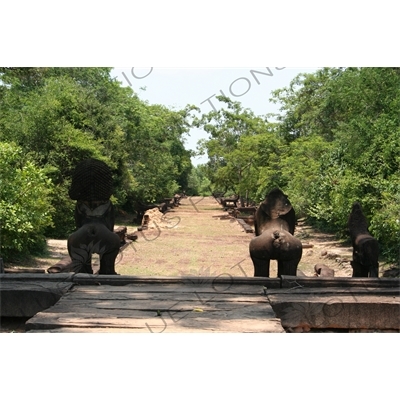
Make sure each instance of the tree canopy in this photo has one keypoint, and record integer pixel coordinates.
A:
(56, 117)
(336, 140)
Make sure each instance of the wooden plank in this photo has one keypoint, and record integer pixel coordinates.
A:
(310, 281)
(174, 288)
(249, 319)
(354, 303)
(151, 309)
(23, 270)
(151, 297)
(122, 280)
(121, 307)
(28, 277)
(84, 297)
(335, 291)
(270, 326)
(159, 308)
(234, 326)
(222, 280)
(57, 287)
(330, 299)
(344, 312)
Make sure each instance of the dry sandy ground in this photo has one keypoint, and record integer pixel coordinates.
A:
(199, 238)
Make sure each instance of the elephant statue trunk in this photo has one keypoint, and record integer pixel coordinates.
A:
(274, 223)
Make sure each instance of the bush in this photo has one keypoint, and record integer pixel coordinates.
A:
(63, 215)
(25, 210)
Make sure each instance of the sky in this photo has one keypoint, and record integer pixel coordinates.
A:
(177, 87)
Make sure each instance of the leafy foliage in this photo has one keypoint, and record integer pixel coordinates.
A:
(240, 144)
(157, 158)
(24, 202)
(198, 183)
(60, 116)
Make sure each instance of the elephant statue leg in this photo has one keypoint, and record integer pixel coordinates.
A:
(365, 257)
(290, 252)
(261, 266)
(287, 267)
(81, 258)
(371, 255)
(373, 271)
(364, 271)
(93, 238)
(260, 252)
(277, 245)
(358, 270)
(107, 259)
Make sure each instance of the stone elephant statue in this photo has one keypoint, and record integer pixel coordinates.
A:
(274, 223)
(365, 246)
(94, 217)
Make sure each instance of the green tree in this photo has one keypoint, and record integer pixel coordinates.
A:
(198, 183)
(300, 165)
(307, 105)
(242, 148)
(158, 159)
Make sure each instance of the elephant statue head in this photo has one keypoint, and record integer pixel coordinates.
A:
(276, 206)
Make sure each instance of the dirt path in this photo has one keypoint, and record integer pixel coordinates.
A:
(201, 241)
(196, 242)
(198, 238)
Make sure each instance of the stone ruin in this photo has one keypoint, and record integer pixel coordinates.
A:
(155, 219)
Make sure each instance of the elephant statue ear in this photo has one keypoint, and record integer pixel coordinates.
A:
(276, 204)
